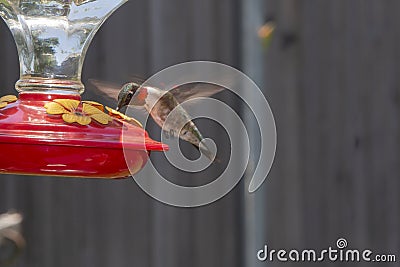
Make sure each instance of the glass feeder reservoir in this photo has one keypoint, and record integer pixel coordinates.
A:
(48, 129)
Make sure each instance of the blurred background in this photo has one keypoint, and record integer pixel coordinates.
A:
(331, 77)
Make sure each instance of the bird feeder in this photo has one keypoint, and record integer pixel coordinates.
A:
(48, 129)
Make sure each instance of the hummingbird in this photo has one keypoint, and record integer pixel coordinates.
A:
(160, 103)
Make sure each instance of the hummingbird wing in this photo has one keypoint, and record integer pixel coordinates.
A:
(194, 90)
(110, 92)
(136, 78)
(181, 93)
(107, 90)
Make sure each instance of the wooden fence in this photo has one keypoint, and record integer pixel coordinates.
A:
(331, 77)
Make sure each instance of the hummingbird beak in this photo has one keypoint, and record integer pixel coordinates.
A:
(119, 106)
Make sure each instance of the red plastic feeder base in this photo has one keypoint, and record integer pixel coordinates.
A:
(32, 142)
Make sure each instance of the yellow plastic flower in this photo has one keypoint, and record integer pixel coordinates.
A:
(113, 113)
(73, 111)
(5, 100)
(118, 115)
(95, 104)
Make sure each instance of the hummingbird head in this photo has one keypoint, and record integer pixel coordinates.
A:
(126, 94)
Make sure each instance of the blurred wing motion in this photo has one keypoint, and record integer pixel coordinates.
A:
(11, 240)
(194, 90)
(107, 90)
(181, 93)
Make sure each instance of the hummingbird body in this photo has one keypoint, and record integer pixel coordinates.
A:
(159, 104)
